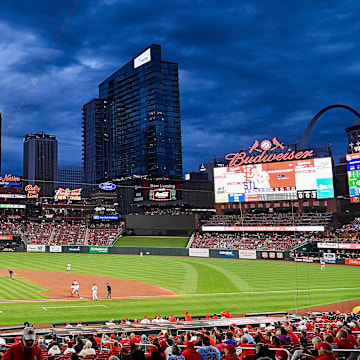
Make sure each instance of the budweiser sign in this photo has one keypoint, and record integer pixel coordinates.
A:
(32, 191)
(63, 194)
(264, 154)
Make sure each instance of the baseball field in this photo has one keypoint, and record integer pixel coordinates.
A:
(152, 285)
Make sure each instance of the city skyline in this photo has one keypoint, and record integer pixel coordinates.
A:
(246, 71)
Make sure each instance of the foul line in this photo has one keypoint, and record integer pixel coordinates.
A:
(81, 306)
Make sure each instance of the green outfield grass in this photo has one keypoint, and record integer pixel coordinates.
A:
(203, 286)
(149, 241)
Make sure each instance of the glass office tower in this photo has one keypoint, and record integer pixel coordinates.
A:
(144, 117)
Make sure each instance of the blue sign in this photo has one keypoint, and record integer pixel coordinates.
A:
(227, 253)
(107, 186)
(325, 188)
(105, 217)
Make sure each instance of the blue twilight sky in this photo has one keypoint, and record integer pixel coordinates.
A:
(248, 69)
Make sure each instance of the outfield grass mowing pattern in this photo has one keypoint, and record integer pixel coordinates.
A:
(203, 285)
(20, 289)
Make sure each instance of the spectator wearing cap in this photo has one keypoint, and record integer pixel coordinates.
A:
(244, 343)
(155, 353)
(190, 352)
(208, 351)
(115, 348)
(135, 353)
(26, 349)
(165, 349)
(325, 352)
(230, 352)
(187, 316)
(176, 353)
(145, 320)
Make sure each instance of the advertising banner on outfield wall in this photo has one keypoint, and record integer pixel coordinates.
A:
(330, 258)
(247, 254)
(199, 252)
(227, 253)
(35, 248)
(324, 245)
(98, 249)
(55, 249)
(74, 249)
(352, 262)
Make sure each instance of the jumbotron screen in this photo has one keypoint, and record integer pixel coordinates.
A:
(287, 180)
(353, 171)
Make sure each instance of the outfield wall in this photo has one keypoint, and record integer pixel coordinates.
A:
(190, 252)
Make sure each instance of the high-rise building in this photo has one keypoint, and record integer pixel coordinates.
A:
(40, 161)
(70, 178)
(96, 141)
(142, 121)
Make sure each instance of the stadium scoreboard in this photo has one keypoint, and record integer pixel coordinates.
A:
(353, 172)
(285, 180)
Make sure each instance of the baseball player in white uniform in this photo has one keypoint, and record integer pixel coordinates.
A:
(94, 290)
(322, 262)
(68, 267)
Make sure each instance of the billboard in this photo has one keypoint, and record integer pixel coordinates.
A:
(353, 172)
(287, 180)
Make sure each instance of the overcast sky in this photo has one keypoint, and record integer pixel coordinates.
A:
(248, 69)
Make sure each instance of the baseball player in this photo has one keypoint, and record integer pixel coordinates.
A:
(322, 262)
(73, 287)
(94, 290)
(10, 273)
(68, 267)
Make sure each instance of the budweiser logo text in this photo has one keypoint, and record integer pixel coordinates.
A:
(242, 158)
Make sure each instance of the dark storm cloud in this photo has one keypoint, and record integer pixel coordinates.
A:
(253, 69)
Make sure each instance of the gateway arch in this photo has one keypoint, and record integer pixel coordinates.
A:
(307, 132)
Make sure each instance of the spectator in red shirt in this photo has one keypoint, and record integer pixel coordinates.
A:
(230, 352)
(325, 353)
(26, 349)
(190, 352)
(343, 342)
(219, 344)
(244, 344)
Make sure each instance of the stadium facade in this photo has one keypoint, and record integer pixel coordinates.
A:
(134, 127)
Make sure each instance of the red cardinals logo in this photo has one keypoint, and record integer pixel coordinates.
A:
(266, 145)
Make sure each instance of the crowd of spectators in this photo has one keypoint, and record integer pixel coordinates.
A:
(352, 229)
(249, 241)
(167, 211)
(322, 336)
(73, 232)
(275, 219)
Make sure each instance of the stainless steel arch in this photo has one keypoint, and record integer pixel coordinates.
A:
(307, 132)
